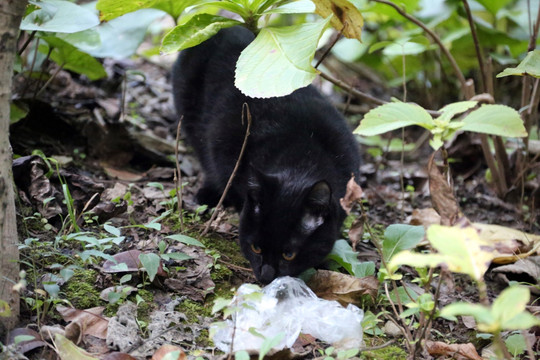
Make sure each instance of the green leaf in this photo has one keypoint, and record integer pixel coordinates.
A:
(278, 61)
(220, 304)
(400, 237)
(180, 256)
(494, 5)
(393, 116)
(150, 262)
(406, 48)
(344, 16)
(516, 344)
(59, 16)
(509, 309)
(462, 249)
(343, 254)
(112, 230)
(529, 66)
(120, 38)
(451, 110)
(269, 343)
(22, 338)
(199, 28)
(481, 313)
(184, 239)
(407, 257)
(110, 9)
(17, 112)
(68, 56)
(175, 7)
(495, 120)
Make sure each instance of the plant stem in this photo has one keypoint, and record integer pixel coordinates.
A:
(464, 86)
(178, 175)
(245, 109)
(476, 46)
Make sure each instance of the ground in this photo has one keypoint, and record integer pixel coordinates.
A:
(116, 157)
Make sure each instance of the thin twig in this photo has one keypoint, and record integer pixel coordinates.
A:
(362, 95)
(25, 45)
(435, 37)
(178, 175)
(476, 46)
(327, 51)
(60, 67)
(245, 109)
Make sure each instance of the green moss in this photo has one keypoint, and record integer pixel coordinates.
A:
(390, 353)
(80, 289)
(193, 310)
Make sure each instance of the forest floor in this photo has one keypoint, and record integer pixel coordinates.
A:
(112, 144)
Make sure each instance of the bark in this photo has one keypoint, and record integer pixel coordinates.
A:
(11, 12)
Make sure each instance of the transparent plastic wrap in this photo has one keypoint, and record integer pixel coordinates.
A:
(287, 306)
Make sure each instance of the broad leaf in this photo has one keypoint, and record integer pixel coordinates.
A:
(509, 309)
(68, 350)
(529, 66)
(120, 37)
(343, 254)
(479, 312)
(269, 343)
(70, 58)
(59, 16)
(393, 116)
(451, 110)
(463, 250)
(151, 263)
(278, 61)
(400, 237)
(198, 29)
(495, 120)
(408, 257)
(346, 17)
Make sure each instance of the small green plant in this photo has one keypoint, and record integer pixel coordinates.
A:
(330, 353)
(463, 251)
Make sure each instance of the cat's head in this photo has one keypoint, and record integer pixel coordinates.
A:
(287, 225)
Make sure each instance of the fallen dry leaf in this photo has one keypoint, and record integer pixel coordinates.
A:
(130, 258)
(67, 350)
(442, 195)
(523, 270)
(91, 321)
(353, 195)
(356, 232)
(346, 289)
(455, 351)
(166, 349)
(25, 346)
(425, 217)
(510, 243)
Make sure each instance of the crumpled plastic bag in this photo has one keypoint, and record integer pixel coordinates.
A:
(287, 305)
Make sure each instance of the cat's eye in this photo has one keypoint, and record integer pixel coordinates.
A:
(255, 249)
(289, 255)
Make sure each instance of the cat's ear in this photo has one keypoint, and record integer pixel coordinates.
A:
(259, 179)
(319, 196)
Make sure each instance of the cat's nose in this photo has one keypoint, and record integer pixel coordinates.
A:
(268, 273)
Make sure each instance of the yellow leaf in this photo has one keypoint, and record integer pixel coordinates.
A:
(347, 18)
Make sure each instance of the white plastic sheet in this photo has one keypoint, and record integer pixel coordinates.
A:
(287, 306)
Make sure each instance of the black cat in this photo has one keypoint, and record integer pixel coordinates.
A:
(299, 157)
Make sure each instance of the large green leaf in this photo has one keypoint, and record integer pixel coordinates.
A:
(509, 309)
(529, 66)
(400, 237)
(393, 116)
(278, 61)
(73, 59)
(199, 28)
(495, 120)
(120, 37)
(59, 16)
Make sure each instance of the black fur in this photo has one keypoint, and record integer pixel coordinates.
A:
(299, 157)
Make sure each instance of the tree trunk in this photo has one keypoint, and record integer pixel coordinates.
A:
(11, 12)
